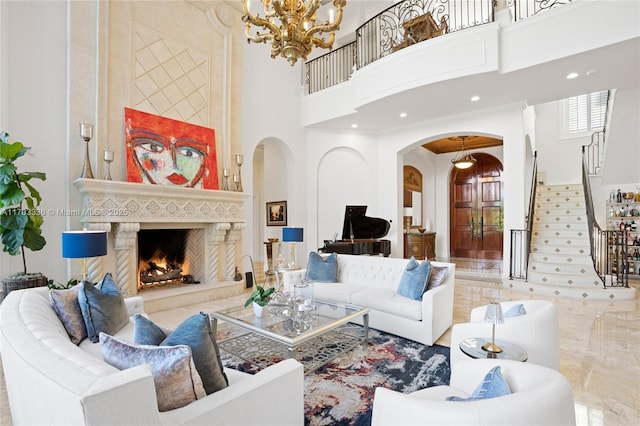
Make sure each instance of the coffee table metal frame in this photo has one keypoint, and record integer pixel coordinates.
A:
(325, 317)
(473, 348)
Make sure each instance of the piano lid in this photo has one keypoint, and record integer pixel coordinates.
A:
(358, 226)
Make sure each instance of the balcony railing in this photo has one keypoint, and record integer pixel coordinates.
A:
(405, 23)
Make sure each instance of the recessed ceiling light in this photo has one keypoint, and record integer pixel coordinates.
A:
(354, 126)
(403, 114)
(475, 98)
(572, 75)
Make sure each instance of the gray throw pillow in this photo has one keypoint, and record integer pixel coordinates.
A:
(65, 304)
(414, 279)
(322, 269)
(103, 308)
(436, 276)
(176, 379)
(194, 332)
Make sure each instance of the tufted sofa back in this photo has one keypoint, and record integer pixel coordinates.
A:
(371, 271)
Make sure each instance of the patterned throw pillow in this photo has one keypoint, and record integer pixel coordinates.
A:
(103, 307)
(492, 386)
(176, 379)
(322, 269)
(414, 279)
(66, 306)
(436, 276)
(194, 332)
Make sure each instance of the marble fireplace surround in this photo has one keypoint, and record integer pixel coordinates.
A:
(123, 208)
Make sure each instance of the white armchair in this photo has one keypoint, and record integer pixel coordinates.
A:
(536, 332)
(540, 396)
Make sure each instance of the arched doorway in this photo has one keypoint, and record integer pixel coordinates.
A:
(476, 209)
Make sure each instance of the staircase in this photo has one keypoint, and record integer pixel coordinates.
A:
(560, 263)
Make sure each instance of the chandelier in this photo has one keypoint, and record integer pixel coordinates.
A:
(296, 32)
(463, 160)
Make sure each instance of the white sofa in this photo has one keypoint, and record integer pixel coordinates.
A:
(372, 282)
(540, 396)
(537, 331)
(50, 380)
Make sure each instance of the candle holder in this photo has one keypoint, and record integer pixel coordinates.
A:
(86, 132)
(236, 183)
(108, 158)
(225, 179)
(239, 161)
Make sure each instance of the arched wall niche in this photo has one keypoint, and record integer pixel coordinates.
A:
(272, 168)
(336, 167)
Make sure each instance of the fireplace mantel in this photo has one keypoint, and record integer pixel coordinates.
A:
(112, 201)
(123, 208)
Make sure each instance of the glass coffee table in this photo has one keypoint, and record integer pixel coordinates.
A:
(314, 339)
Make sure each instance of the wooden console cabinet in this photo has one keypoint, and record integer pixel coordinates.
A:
(420, 246)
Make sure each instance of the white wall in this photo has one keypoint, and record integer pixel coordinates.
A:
(270, 113)
(34, 111)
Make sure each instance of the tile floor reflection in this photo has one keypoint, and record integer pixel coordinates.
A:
(599, 342)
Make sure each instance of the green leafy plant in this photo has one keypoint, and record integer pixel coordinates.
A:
(260, 296)
(20, 218)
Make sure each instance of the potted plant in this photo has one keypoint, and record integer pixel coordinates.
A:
(259, 298)
(20, 218)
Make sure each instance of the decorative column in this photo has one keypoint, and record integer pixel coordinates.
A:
(233, 236)
(215, 236)
(94, 264)
(126, 257)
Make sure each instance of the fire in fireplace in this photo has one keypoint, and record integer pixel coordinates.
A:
(162, 257)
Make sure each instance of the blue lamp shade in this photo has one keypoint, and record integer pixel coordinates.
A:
(292, 235)
(82, 244)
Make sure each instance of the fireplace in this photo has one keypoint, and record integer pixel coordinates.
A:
(168, 257)
(212, 221)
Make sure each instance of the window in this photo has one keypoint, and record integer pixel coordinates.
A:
(586, 112)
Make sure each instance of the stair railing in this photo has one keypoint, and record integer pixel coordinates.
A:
(521, 238)
(609, 248)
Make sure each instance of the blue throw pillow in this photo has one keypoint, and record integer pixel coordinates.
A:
(414, 279)
(102, 307)
(322, 269)
(492, 386)
(194, 332)
(515, 311)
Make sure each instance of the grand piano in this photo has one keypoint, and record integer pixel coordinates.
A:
(361, 234)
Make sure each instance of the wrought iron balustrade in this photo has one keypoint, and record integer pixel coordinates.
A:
(387, 32)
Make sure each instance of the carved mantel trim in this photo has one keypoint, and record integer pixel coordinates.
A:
(113, 201)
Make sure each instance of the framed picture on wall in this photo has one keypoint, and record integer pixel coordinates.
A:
(277, 213)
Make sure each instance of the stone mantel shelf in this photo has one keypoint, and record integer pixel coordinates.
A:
(114, 201)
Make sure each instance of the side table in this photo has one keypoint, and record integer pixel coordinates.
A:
(473, 348)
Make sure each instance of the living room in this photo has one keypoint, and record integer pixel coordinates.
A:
(86, 49)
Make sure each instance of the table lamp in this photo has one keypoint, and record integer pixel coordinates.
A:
(494, 316)
(293, 236)
(83, 245)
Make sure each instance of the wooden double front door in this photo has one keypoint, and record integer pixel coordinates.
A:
(476, 209)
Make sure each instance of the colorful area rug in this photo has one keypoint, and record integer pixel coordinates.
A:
(341, 392)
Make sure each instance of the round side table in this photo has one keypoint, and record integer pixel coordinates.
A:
(473, 348)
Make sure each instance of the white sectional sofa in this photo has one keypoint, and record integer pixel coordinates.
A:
(372, 282)
(50, 380)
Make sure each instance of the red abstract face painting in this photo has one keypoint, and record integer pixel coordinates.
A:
(162, 151)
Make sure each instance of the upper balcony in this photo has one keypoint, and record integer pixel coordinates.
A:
(428, 58)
